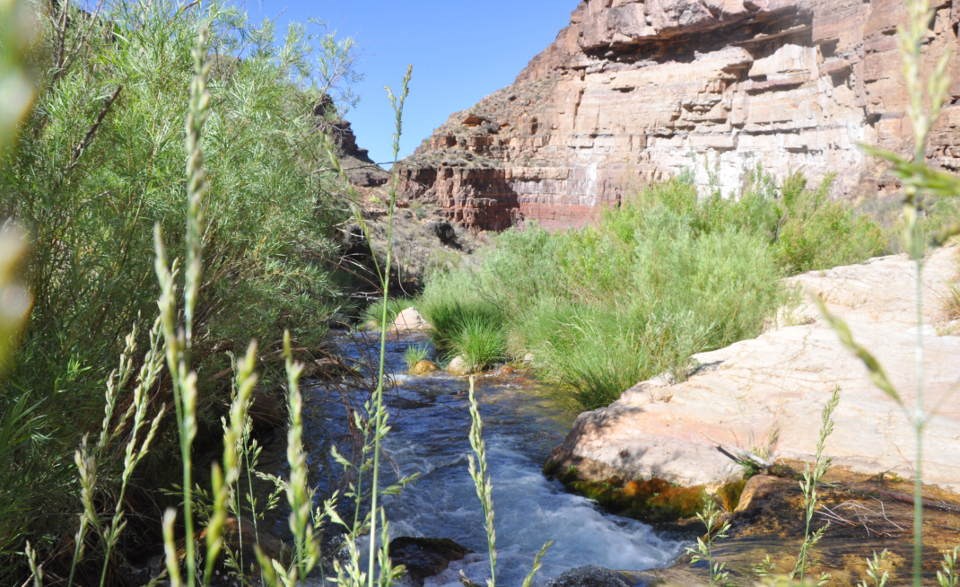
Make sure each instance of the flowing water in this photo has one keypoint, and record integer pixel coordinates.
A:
(429, 425)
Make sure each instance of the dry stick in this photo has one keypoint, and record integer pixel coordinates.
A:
(92, 131)
(59, 58)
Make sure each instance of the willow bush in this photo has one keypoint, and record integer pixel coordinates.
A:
(667, 275)
(100, 160)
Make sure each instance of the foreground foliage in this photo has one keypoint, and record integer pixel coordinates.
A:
(100, 161)
(666, 276)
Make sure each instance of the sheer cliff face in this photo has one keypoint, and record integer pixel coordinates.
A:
(638, 90)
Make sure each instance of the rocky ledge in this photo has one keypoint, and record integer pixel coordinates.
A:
(662, 445)
(638, 90)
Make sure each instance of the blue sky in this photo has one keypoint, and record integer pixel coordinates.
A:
(461, 50)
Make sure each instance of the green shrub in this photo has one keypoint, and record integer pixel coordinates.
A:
(374, 312)
(815, 233)
(665, 276)
(101, 161)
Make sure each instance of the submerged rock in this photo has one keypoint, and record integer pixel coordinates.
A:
(590, 576)
(423, 367)
(425, 557)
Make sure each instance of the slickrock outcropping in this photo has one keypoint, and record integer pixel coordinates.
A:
(637, 90)
(767, 393)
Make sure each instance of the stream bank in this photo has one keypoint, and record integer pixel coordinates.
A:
(429, 424)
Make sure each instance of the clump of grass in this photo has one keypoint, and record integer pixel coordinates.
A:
(479, 342)
(877, 573)
(811, 479)
(666, 276)
(716, 529)
(414, 354)
(948, 575)
(953, 303)
(374, 313)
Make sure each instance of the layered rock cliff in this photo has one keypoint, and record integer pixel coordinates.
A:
(637, 90)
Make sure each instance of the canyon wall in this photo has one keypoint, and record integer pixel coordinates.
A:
(634, 91)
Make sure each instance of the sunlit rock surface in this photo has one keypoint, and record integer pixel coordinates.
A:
(766, 395)
(633, 91)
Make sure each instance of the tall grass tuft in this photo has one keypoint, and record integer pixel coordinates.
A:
(666, 276)
(812, 477)
(414, 354)
(480, 343)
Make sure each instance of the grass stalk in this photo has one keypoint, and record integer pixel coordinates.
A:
(811, 479)
(240, 425)
(179, 344)
(225, 476)
(379, 415)
(537, 563)
(477, 464)
(716, 529)
(299, 495)
(87, 471)
(170, 548)
(136, 448)
(36, 569)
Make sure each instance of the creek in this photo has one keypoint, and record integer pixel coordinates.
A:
(429, 422)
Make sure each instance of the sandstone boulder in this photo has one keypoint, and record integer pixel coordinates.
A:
(410, 320)
(765, 395)
(458, 366)
(423, 367)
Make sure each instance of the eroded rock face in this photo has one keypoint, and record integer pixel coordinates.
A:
(638, 90)
(765, 395)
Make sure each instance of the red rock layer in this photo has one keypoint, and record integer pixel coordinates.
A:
(633, 91)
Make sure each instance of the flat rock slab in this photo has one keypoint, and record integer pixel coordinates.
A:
(765, 395)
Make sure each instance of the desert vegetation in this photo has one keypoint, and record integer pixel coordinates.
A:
(665, 276)
(99, 162)
(190, 243)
